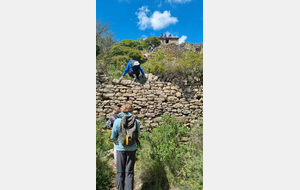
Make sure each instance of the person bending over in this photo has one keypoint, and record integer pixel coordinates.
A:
(133, 68)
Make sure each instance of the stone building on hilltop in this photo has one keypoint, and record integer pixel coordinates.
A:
(169, 40)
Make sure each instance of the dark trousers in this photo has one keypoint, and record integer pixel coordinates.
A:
(125, 170)
(136, 73)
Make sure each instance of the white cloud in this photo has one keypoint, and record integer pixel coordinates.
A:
(156, 21)
(144, 21)
(144, 36)
(162, 20)
(178, 1)
(182, 39)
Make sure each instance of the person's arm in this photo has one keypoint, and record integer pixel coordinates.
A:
(107, 124)
(115, 132)
(127, 68)
(142, 70)
(138, 128)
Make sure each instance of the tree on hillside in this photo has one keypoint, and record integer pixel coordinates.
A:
(119, 55)
(131, 43)
(97, 50)
(151, 41)
(105, 38)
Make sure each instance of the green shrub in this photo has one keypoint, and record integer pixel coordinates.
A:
(136, 55)
(103, 143)
(120, 60)
(188, 67)
(118, 50)
(164, 161)
(151, 41)
(154, 68)
(150, 172)
(117, 71)
(131, 43)
(191, 66)
(197, 136)
(157, 64)
(101, 65)
(103, 173)
(190, 175)
(159, 55)
(165, 140)
(103, 170)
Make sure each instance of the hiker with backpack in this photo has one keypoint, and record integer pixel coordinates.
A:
(125, 134)
(133, 68)
(112, 119)
(109, 124)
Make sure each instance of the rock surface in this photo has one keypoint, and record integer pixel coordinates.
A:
(150, 97)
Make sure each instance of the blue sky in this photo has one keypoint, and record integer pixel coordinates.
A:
(133, 19)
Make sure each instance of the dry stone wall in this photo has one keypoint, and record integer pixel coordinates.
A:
(150, 97)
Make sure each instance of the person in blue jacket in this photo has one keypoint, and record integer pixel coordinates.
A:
(125, 153)
(132, 72)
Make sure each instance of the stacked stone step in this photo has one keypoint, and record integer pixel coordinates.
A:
(151, 99)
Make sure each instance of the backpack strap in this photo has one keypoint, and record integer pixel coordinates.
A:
(112, 119)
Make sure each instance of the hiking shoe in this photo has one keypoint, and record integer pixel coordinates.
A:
(114, 165)
(134, 79)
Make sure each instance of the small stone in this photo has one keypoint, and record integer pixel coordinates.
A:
(172, 99)
(115, 81)
(150, 115)
(178, 105)
(109, 86)
(178, 95)
(109, 96)
(186, 112)
(194, 107)
(128, 95)
(159, 99)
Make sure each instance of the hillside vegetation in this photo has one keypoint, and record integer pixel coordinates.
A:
(112, 57)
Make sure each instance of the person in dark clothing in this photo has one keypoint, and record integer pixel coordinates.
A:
(125, 153)
(112, 119)
(110, 123)
(133, 71)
